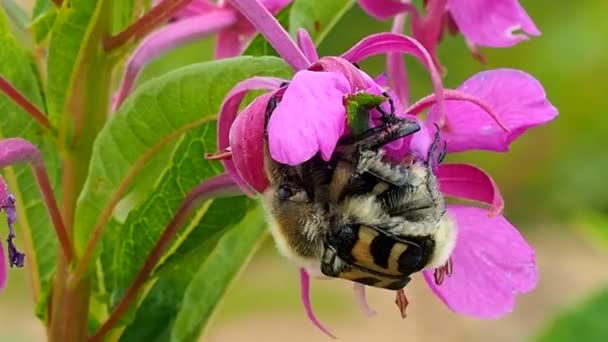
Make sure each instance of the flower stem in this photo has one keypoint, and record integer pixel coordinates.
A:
(221, 185)
(14, 94)
(270, 28)
(144, 25)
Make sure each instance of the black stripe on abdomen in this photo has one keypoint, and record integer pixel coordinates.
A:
(381, 248)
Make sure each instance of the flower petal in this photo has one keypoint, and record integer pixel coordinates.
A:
(307, 45)
(226, 118)
(395, 66)
(469, 182)
(194, 8)
(168, 38)
(247, 143)
(518, 99)
(305, 295)
(310, 118)
(396, 43)
(229, 43)
(492, 23)
(491, 264)
(384, 9)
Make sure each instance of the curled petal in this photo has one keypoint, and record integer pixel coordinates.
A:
(305, 295)
(247, 143)
(307, 45)
(395, 66)
(228, 114)
(491, 264)
(17, 150)
(361, 299)
(470, 182)
(357, 79)
(384, 9)
(310, 118)
(492, 23)
(396, 43)
(168, 38)
(516, 97)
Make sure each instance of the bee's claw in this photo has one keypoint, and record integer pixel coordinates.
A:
(402, 302)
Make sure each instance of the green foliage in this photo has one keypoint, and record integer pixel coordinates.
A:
(70, 39)
(317, 17)
(160, 110)
(584, 322)
(43, 24)
(259, 46)
(35, 229)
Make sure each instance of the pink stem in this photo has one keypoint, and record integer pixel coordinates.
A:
(14, 94)
(305, 293)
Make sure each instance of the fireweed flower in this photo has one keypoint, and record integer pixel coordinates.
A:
(15, 258)
(199, 19)
(491, 261)
(482, 22)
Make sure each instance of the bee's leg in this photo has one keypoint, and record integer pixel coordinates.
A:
(387, 117)
(270, 107)
(375, 138)
(436, 156)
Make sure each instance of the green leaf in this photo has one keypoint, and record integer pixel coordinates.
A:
(158, 111)
(41, 7)
(70, 40)
(122, 15)
(317, 17)
(43, 24)
(358, 108)
(146, 222)
(156, 315)
(259, 46)
(35, 234)
(215, 275)
(584, 322)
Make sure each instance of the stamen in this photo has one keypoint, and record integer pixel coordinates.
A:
(226, 154)
(441, 272)
(15, 258)
(402, 302)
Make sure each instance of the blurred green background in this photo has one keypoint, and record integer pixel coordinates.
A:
(553, 182)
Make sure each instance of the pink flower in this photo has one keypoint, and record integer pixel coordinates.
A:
(15, 258)
(201, 18)
(491, 263)
(491, 23)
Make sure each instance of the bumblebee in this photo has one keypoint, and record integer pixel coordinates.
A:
(360, 216)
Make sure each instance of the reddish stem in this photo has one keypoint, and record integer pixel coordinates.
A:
(57, 2)
(144, 25)
(51, 204)
(221, 185)
(14, 94)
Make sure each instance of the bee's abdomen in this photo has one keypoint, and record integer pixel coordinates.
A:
(373, 257)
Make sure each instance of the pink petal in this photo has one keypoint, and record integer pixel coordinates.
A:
(305, 295)
(167, 38)
(396, 43)
(491, 264)
(226, 118)
(194, 8)
(395, 66)
(469, 182)
(229, 43)
(307, 45)
(492, 23)
(518, 99)
(384, 9)
(361, 299)
(17, 150)
(310, 118)
(275, 6)
(247, 143)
